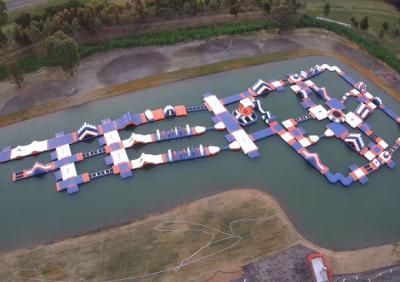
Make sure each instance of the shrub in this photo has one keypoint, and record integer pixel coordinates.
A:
(364, 23)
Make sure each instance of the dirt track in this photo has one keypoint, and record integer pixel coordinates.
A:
(121, 66)
(15, 4)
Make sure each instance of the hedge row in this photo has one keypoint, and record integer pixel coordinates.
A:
(171, 37)
(163, 38)
(373, 48)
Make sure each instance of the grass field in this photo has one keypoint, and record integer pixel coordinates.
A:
(377, 11)
(137, 248)
(157, 243)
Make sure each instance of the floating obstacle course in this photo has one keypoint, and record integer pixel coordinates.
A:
(349, 126)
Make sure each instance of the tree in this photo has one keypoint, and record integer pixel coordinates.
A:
(327, 9)
(3, 39)
(23, 20)
(139, 9)
(190, 7)
(266, 5)
(62, 50)
(354, 22)
(396, 33)
(3, 13)
(16, 74)
(385, 26)
(233, 6)
(282, 16)
(364, 23)
(21, 37)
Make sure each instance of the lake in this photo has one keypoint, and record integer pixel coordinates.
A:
(333, 216)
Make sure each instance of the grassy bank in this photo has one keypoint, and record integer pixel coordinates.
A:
(137, 248)
(171, 37)
(163, 38)
(140, 248)
(151, 81)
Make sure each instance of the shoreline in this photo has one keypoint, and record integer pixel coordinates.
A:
(343, 262)
(184, 74)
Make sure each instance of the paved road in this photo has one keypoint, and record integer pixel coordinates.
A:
(15, 4)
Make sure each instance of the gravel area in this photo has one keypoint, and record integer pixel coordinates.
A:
(389, 274)
(289, 265)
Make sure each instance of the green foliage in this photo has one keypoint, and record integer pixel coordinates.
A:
(327, 9)
(3, 39)
(172, 37)
(62, 50)
(3, 13)
(282, 16)
(23, 20)
(385, 25)
(374, 48)
(16, 74)
(354, 22)
(364, 23)
(21, 37)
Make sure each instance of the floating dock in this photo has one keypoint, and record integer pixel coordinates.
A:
(348, 125)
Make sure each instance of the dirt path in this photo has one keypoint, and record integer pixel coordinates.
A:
(120, 66)
(15, 4)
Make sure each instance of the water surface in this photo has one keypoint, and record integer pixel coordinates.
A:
(332, 216)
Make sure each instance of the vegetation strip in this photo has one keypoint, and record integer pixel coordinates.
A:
(171, 37)
(152, 81)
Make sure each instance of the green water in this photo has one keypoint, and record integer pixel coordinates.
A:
(332, 216)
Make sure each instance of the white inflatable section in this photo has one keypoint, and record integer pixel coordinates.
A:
(234, 145)
(329, 133)
(295, 88)
(137, 138)
(353, 120)
(276, 83)
(314, 138)
(288, 123)
(63, 151)
(146, 159)
(330, 68)
(112, 137)
(22, 151)
(119, 156)
(244, 140)
(369, 155)
(319, 112)
(213, 150)
(199, 129)
(215, 104)
(68, 171)
(149, 115)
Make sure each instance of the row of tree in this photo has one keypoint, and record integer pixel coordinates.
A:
(75, 17)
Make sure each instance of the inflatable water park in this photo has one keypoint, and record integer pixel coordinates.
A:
(348, 125)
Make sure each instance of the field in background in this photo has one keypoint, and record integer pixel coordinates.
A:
(377, 12)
